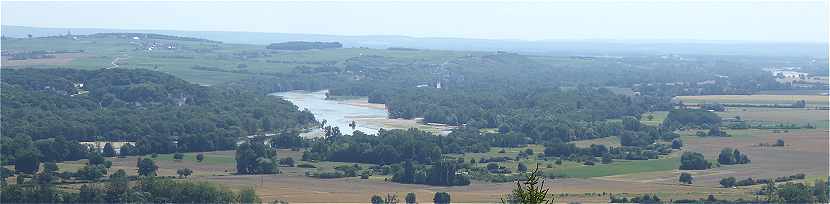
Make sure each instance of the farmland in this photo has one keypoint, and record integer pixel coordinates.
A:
(804, 151)
(812, 100)
(221, 62)
(532, 109)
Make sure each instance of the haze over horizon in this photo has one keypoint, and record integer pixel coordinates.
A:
(732, 21)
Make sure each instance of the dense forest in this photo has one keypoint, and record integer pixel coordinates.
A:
(159, 112)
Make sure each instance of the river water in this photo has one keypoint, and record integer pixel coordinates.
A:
(336, 113)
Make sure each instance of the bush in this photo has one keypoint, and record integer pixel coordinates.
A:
(676, 144)
(184, 172)
(410, 198)
(693, 161)
(200, 157)
(326, 174)
(728, 182)
(49, 167)
(306, 165)
(779, 143)
(288, 161)
(686, 178)
(729, 156)
(91, 172)
(745, 182)
(178, 156)
(522, 167)
(441, 198)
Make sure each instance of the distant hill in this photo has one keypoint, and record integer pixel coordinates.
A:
(152, 108)
(552, 47)
(302, 45)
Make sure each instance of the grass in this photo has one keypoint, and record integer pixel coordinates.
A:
(212, 159)
(618, 167)
(812, 100)
(574, 169)
(774, 116)
(612, 141)
(659, 116)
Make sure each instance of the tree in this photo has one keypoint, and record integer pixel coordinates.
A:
(108, 150)
(184, 172)
(353, 125)
(728, 182)
(693, 161)
(376, 199)
(26, 161)
(200, 157)
(769, 189)
(126, 150)
(248, 195)
(531, 190)
(118, 187)
(50, 167)
(147, 167)
(726, 156)
(779, 143)
(92, 172)
(711, 199)
(5, 173)
(90, 194)
(410, 198)
(729, 156)
(686, 178)
(522, 167)
(716, 131)
(96, 159)
(794, 193)
(631, 123)
(178, 156)
(256, 158)
(820, 190)
(676, 143)
(391, 198)
(441, 198)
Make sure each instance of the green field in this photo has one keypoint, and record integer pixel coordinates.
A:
(774, 116)
(574, 169)
(658, 117)
(812, 100)
(619, 167)
(212, 159)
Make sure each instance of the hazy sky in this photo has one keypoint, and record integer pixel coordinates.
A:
(751, 21)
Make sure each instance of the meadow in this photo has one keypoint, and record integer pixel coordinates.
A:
(812, 100)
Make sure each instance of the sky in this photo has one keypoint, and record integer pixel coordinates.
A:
(742, 20)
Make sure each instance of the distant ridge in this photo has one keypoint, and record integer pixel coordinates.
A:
(551, 47)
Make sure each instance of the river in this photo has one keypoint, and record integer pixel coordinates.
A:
(339, 113)
(336, 113)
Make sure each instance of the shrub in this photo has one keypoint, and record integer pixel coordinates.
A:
(693, 161)
(288, 161)
(178, 156)
(306, 165)
(686, 178)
